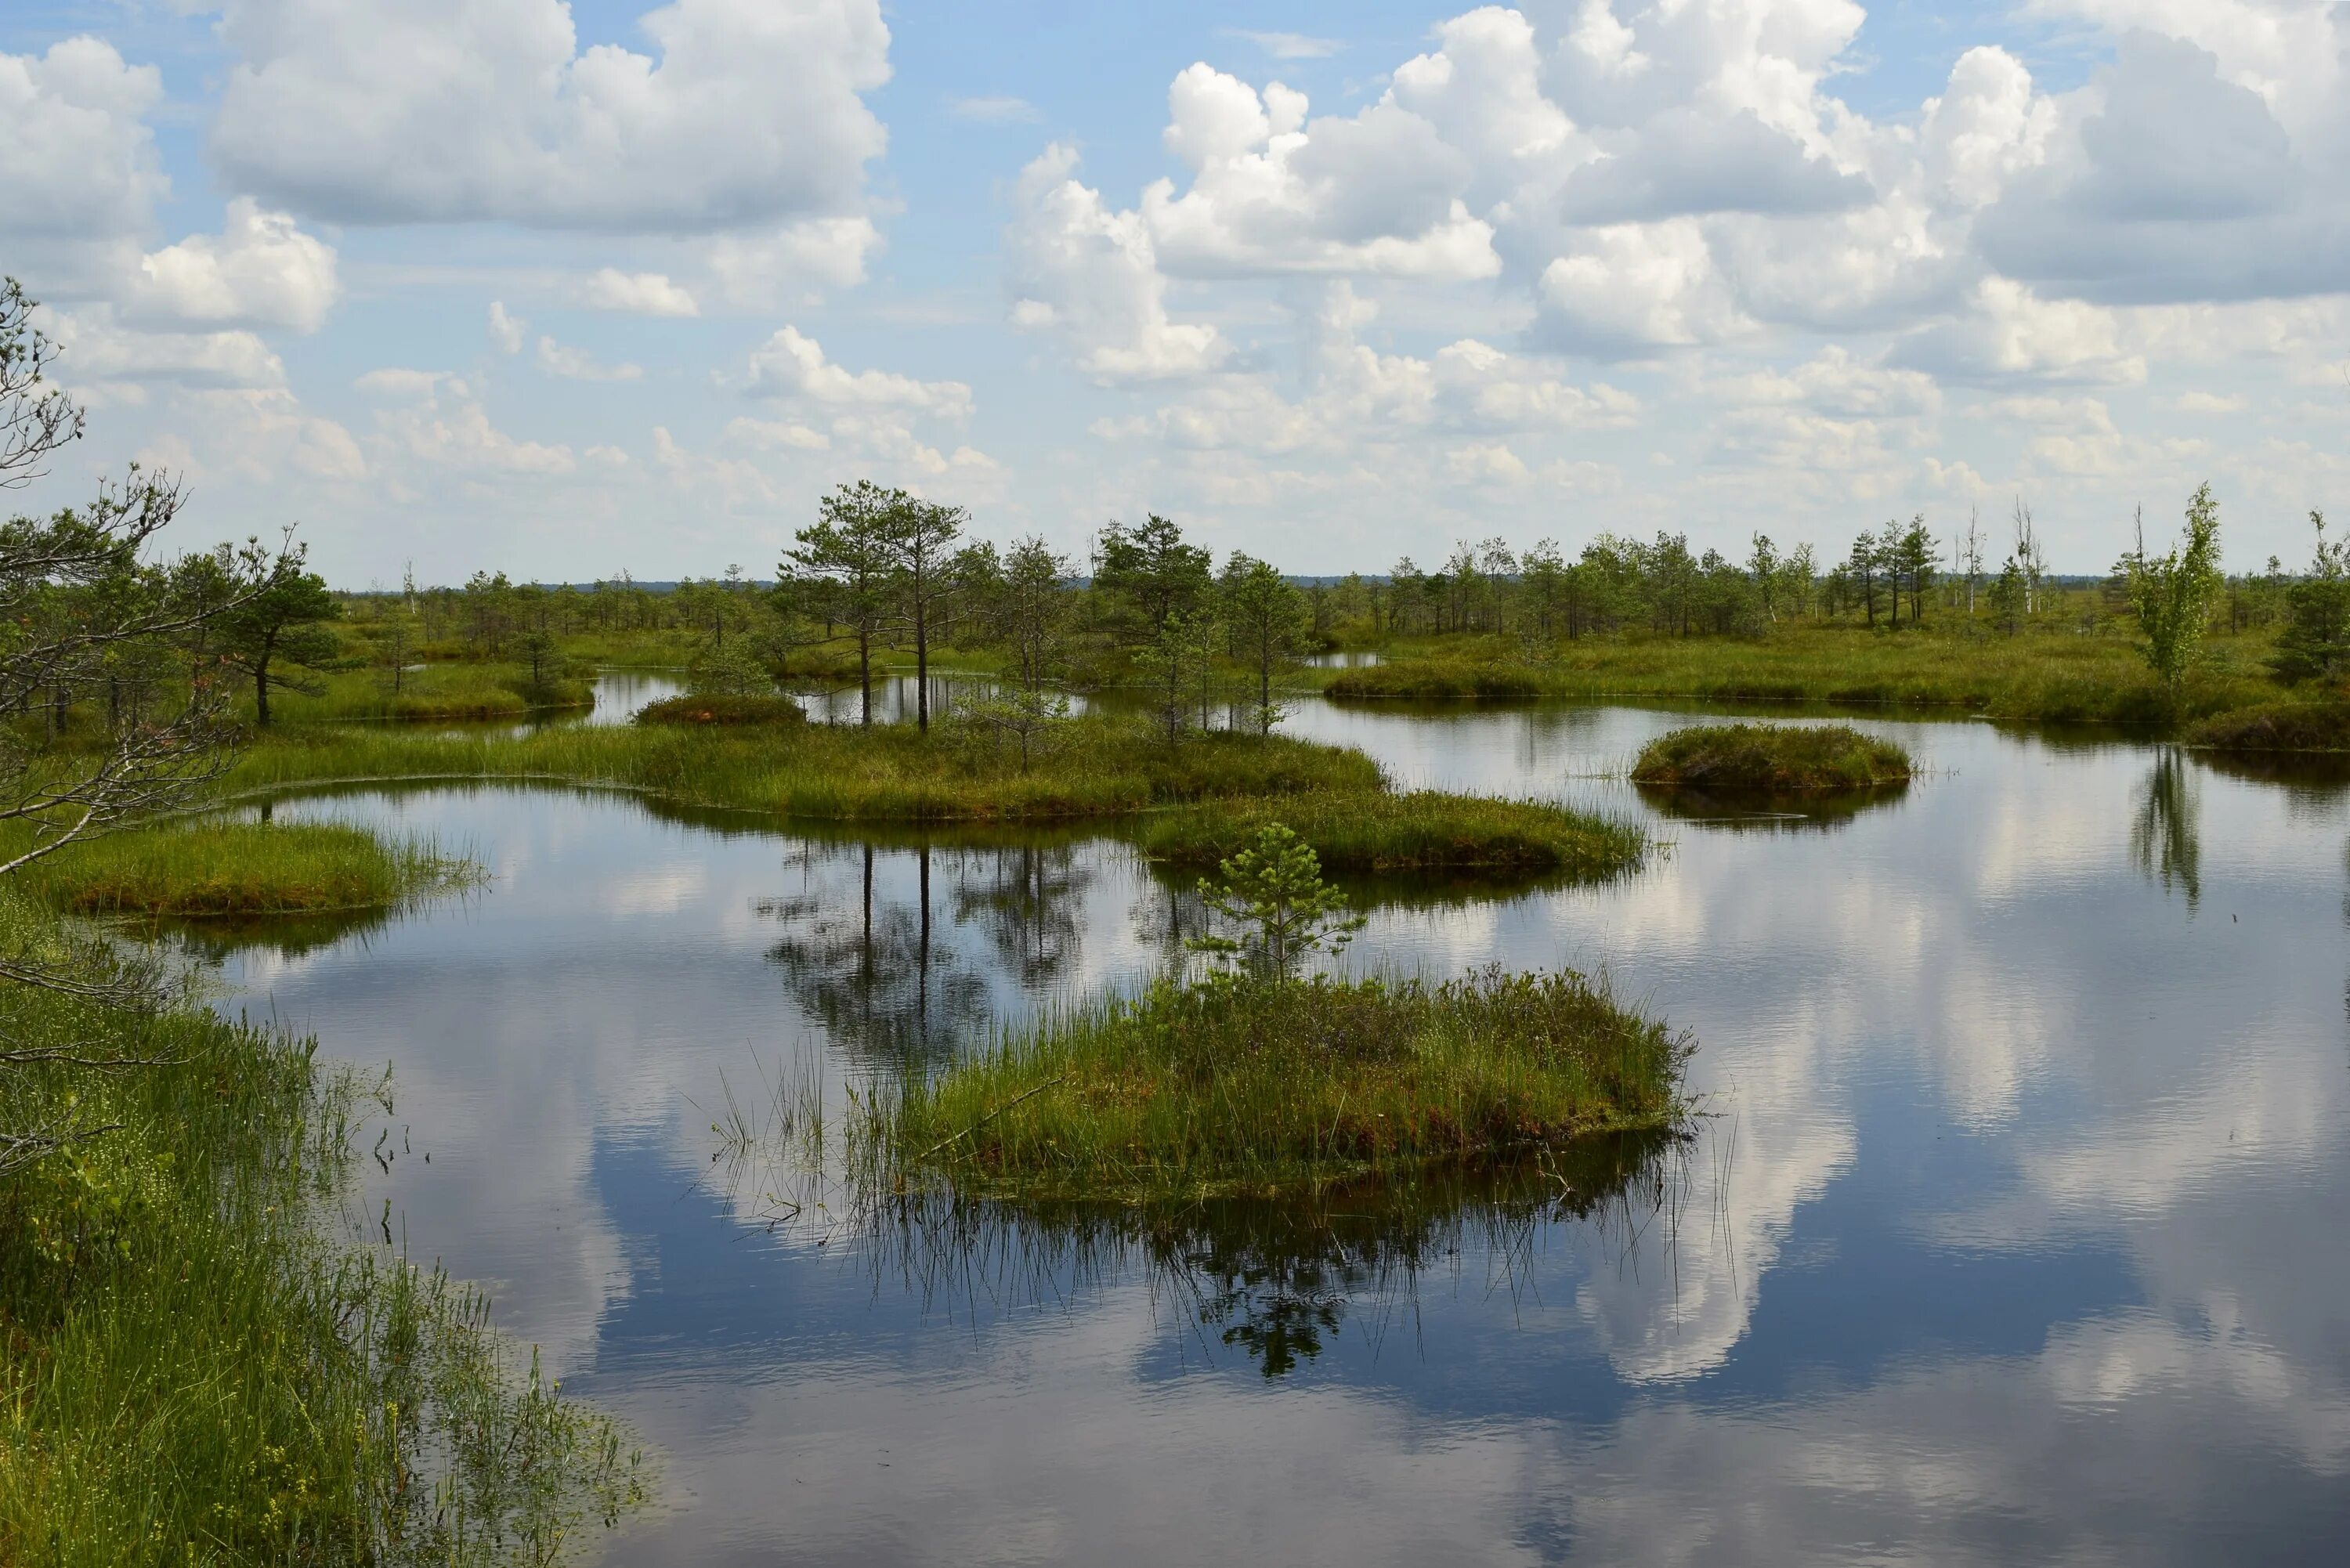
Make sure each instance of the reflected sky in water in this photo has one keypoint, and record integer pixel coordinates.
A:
(2013, 1231)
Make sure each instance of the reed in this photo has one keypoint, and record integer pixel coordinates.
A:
(1771, 758)
(216, 868)
(1273, 1087)
(199, 1367)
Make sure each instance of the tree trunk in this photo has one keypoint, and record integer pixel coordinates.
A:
(921, 671)
(864, 673)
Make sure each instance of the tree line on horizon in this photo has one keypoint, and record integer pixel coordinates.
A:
(881, 569)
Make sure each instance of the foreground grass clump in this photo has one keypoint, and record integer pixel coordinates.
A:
(1424, 830)
(716, 708)
(1266, 1087)
(197, 1369)
(230, 868)
(2277, 727)
(834, 772)
(1771, 757)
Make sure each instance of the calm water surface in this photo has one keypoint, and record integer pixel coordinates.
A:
(2016, 1231)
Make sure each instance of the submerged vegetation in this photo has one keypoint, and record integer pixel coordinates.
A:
(1773, 758)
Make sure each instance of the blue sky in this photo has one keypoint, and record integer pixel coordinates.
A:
(1720, 266)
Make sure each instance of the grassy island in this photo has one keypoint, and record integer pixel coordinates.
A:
(444, 693)
(1424, 830)
(1266, 1087)
(1772, 758)
(2038, 676)
(714, 708)
(1189, 804)
(837, 772)
(214, 867)
(2276, 727)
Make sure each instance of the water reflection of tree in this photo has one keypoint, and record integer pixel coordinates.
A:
(1274, 1280)
(868, 966)
(2167, 834)
(1026, 901)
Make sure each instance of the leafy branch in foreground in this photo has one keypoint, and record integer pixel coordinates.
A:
(111, 711)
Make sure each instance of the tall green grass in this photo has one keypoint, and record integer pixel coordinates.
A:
(213, 866)
(1771, 758)
(1268, 1088)
(198, 1368)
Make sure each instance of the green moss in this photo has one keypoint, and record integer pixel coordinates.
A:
(1265, 1088)
(1771, 757)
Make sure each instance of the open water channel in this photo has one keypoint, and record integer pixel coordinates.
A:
(2017, 1228)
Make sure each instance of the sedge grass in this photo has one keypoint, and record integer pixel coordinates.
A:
(215, 868)
(200, 1368)
(1772, 758)
(1271, 1088)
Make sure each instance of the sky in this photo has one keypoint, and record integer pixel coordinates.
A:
(564, 291)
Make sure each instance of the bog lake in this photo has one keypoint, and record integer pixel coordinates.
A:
(2012, 1226)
